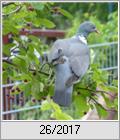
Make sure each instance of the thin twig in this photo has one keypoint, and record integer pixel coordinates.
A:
(11, 63)
(40, 72)
(51, 73)
(97, 91)
(43, 65)
(101, 105)
(50, 82)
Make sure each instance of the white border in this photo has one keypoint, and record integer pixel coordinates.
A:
(118, 62)
(87, 1)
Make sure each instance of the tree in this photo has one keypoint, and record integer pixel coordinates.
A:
(26, 68)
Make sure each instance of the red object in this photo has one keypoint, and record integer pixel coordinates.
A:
(46, 33)
(5, 39)
(36, 32)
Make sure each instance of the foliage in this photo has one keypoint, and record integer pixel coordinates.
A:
(56, 111)
(108, 31)
(26, 69)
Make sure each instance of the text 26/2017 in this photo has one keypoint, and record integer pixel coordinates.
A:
(59, 129)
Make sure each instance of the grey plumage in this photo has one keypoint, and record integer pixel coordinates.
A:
(77, 53)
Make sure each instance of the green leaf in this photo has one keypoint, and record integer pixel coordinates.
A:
(34, 38)
(45, 106)
(101, 112)
(4, 77)
(47, 23)
(37, 89)
(65, 13)
(20, 15)
(108, 88)
(57, 112)
(38, 6)
(23, 76)
(27, 89)
(7, 47)
(9, 27)
(32, 57)
(55, 106)
(41, 87)
(6, 51)
(115, 83)
(116, 103)
(112, 89)
(21, 62)
(84, 92)
(80, 105)
(109, 103)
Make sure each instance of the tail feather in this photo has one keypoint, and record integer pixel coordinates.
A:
(63, 97)
(63, 94)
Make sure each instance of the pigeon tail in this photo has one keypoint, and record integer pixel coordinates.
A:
(62, 94)
(63, 97)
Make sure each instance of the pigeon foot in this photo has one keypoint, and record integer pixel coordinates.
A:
(61, 60)
(71, 80)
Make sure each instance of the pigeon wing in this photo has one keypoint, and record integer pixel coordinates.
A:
(79, 64)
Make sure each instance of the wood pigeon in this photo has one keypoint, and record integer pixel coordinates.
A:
(76, 51)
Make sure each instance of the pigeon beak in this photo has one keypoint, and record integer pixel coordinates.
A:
(97, 31)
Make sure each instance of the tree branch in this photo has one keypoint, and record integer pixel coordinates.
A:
(40, 72)
(97, 91)
(106, 109)
(11, 63)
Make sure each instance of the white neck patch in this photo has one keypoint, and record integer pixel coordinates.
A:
(81, 38)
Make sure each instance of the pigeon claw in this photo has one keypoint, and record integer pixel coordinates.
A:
(71, 80)
(61, 60)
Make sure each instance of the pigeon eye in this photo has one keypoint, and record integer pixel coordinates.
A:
(93, 27)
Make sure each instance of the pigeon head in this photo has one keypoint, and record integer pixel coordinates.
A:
(86, 28)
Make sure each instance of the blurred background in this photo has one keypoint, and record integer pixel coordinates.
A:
(28, 26)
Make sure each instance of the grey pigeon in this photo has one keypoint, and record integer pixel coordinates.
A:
(77, 53)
